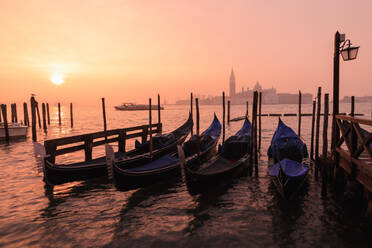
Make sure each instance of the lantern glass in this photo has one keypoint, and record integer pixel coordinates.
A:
(349, 53)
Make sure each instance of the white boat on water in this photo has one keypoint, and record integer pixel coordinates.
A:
(133, 107)
(16, 131)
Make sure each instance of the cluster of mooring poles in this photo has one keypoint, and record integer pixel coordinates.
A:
(146, 130)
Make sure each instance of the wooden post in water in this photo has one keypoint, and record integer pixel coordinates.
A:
(259, 118)
(5, 117)
(352, 111)
(197, 126)
(246, 111)
(12, 112)
(312, 132)
(71, 116)
(38, 113)
(104, 117)
(0, 112)
(223, 117)
(192, 117)
(33, 118)
(150, 128)
(325, 125)
(228, 112)
(254, 122)
(44, 117)
(15, 113)
(25, 115)
(318, 123)
(47, 106)
(59, 112)
(299, 113)
(159, 118)
(354, 138)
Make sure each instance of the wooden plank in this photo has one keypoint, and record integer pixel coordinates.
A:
(355, 119)
(122, 140)
(95, 135)
(88, 147)
(363, 171)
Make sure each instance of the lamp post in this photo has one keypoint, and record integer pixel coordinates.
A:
(348, 53)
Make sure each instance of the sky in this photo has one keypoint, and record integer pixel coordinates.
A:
(128, 51)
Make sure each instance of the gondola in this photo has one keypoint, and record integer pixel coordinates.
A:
(232, 155)
(286, 144)
(286, 154)
(149, 170)
(288, 176)
(162, 144)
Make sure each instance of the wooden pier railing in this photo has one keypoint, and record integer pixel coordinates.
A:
(356, 156)
(95, 139)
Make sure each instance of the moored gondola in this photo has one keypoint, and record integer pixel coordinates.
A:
(286, 154)
(286, 144)
(232, 155)
(162, 144)
(149, 170)
(288, 176)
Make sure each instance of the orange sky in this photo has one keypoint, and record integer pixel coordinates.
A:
(132, 50)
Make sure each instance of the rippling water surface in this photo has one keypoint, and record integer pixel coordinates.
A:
(247, 212)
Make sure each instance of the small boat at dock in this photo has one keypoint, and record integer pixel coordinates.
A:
(16, 131)
(151, 170)
(162, 144)
(232, 155)
(286, 154)
(135, 107)
(286, 144)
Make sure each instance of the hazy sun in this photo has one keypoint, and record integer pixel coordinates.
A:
(57, 78)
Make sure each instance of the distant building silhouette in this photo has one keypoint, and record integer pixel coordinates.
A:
(269, 96)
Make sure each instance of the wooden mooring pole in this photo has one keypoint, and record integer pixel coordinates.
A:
(59, 112)
(246, 111)
(352, 111)
(197, 116)
(299, 113)
(5, 117)
(259, 118)
(44, 117)
(47, 106)
(312, 132)
(325, 125)
(317, 130)
(150, 128)
(197, 126)
(223, 117)
(33, 118)
(38, 113)
(25, 115)
(255, 100)
(191, 113)
(15, 113)
(104, 118)
(159, 117)
(71, 116)
(228, 112)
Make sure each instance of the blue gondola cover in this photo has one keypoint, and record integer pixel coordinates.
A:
(162, 162)
(286, 144)
(290, 168)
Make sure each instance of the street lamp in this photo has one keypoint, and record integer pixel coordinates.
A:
(348, 53)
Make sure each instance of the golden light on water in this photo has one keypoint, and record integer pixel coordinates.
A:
(57, 78)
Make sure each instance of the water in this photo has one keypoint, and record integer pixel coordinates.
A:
(247, 212)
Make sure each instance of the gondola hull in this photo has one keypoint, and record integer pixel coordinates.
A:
(151, 170)
(59, 173)
(231, 160)
(288, 176)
